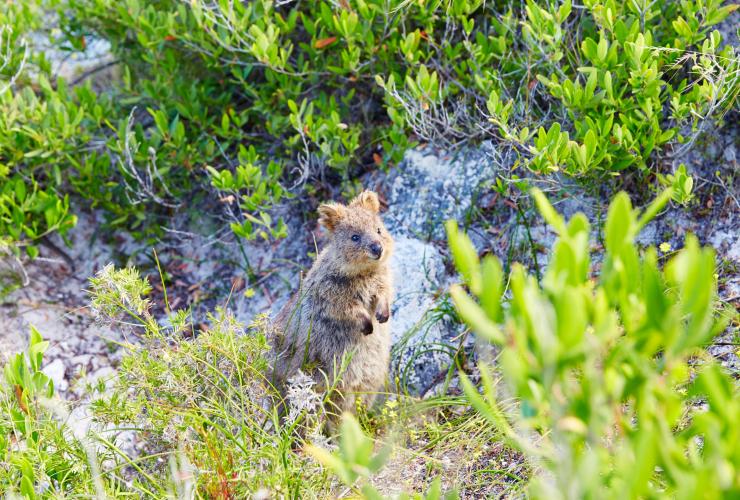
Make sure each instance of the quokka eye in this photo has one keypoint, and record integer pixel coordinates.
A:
(355, 237)
(378, 230)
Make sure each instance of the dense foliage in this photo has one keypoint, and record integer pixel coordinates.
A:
(616, 397)
(258, 100)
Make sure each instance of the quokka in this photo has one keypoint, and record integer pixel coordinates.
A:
(342, 308)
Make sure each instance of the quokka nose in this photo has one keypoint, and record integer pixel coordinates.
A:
(376, 249)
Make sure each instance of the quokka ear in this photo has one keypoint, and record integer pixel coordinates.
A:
(367, 200)
(330, 214)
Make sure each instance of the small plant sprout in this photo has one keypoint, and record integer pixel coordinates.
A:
(120, 292)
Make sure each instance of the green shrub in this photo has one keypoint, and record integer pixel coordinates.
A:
(39, 456)
(680, 183)
(120, 150)
(623, 78)
(641, 76)
(617, 398)
(42, 456)
(248, 98)
(206, 393)
(33, 128)
(201, 402)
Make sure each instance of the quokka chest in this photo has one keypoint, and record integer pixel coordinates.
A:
(344, 289)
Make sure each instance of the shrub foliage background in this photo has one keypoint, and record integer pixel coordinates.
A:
(263, 99)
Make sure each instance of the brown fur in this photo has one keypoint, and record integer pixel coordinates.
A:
(342, 306)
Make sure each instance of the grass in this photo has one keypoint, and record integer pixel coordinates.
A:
(196, 415)
(189, 416)
(446, 440)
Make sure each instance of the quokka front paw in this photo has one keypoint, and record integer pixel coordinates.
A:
(382, 316)
(366, 325)
(383, 312)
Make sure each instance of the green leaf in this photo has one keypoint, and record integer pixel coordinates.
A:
(465, 256)
(32, 251)
(27, 489)
(548, 212)
(492, 289)
(619, 218)
(655, 206)
(473, 315)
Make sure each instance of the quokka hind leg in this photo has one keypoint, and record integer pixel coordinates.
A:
(357, 404)
(279, 390)
(368, 399)
(378, 395)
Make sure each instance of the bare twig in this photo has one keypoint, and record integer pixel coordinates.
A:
(722, 74)
(6, 55)
(145, 180)
(87, 74)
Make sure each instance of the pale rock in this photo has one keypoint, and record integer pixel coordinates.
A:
(55, 371)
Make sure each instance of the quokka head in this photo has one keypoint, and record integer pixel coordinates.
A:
(357, 234)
